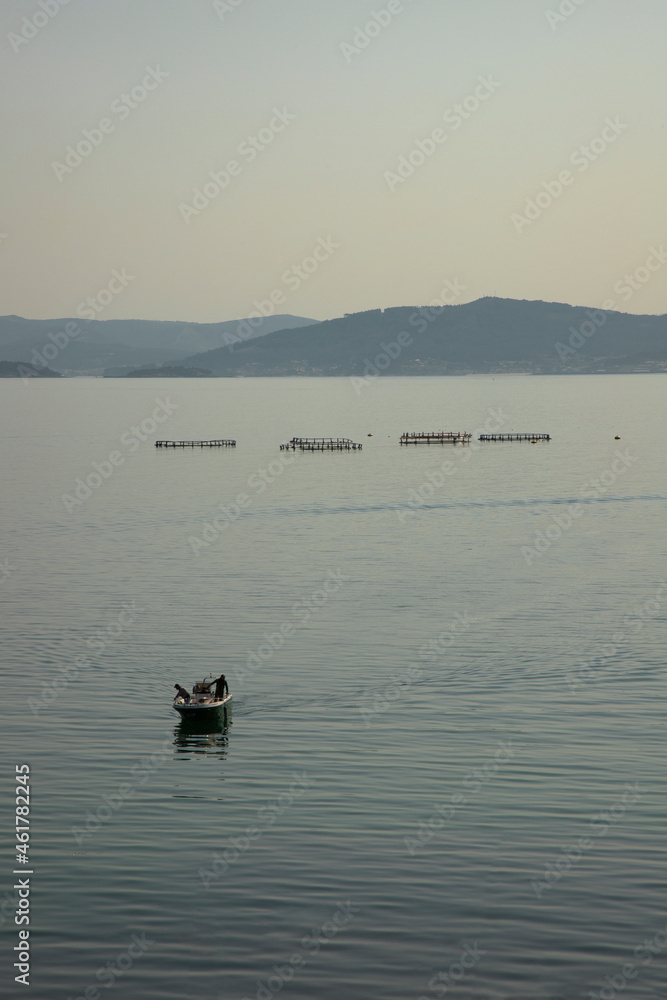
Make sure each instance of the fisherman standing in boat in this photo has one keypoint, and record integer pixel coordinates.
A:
(221, 688)
(181, 693)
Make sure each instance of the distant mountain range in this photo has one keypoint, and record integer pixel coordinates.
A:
(490, 335)
(169, 371)
(18, 369)
(88, 347)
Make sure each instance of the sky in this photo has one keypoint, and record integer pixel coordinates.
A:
(205, 160)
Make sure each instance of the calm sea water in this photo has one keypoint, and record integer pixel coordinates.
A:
(443, 774)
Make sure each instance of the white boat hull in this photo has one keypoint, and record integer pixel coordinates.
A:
(199, 707)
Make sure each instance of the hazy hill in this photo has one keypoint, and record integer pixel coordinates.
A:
(23, 369)
(169, 371)
(81, 347)
(489, 335)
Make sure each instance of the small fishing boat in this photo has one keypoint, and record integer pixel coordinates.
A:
(202, 701)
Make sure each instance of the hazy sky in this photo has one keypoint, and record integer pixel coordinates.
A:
(303, 109)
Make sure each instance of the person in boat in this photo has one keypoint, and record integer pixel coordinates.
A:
(181, 693)
(221, 687)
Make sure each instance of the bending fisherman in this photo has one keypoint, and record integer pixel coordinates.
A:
(181, 693)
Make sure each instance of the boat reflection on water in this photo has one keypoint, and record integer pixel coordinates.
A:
(206, 735)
